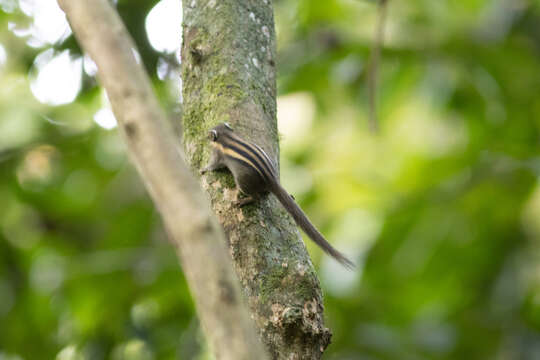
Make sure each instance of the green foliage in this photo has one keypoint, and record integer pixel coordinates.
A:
(441, 209)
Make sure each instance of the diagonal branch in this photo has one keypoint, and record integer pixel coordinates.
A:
(193, 231)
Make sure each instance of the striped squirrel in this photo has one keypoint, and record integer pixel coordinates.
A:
(255, 175)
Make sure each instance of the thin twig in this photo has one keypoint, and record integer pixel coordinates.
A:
(373, 64)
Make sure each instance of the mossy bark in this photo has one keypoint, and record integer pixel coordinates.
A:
(229, 75)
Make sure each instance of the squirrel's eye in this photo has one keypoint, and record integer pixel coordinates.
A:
(228, 126)
(213, 135)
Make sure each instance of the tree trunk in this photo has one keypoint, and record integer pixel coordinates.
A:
(229, 75)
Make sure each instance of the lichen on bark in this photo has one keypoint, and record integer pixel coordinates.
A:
(229, 75)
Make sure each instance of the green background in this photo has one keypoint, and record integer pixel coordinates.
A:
(440, 209)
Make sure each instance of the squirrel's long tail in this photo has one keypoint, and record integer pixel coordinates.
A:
(301, 220)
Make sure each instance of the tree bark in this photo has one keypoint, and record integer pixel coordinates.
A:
(229, 75)
(183, 207)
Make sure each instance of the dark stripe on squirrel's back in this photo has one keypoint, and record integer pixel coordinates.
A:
(240, 155)
(263, 160)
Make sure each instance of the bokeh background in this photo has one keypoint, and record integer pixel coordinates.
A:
(441, 208)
